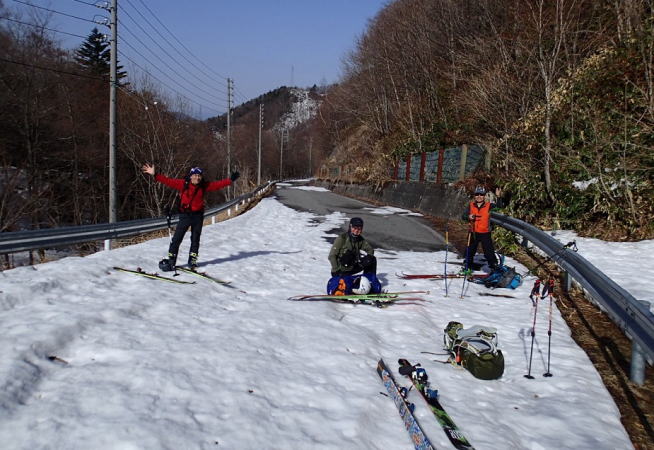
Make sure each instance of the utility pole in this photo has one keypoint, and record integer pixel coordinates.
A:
(229, 132)
(113, 80)
(281, 155)
(259, 152)
(310, 147)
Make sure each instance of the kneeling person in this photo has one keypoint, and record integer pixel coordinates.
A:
(345, 255)
(346, 261)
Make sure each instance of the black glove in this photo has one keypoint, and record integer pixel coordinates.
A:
(348, 258)
(234, 176)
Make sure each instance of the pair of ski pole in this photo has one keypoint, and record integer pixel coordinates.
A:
(548, 290)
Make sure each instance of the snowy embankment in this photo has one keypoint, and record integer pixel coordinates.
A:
(148, 364)
(626, 263)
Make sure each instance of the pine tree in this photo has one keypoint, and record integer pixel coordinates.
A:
(94, 55)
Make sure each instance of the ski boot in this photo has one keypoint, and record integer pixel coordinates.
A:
(466, 272)
(193, 261)
(168, 264)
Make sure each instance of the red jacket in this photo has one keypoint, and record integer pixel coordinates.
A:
(192, 198)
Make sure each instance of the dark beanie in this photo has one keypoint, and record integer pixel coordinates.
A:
(356, 222)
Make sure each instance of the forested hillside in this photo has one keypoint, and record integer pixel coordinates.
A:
(54, 133)
(561, 93)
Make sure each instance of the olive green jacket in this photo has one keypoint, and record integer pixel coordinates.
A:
(343, 244)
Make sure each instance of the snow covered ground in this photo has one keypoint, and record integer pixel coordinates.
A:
(145, 364)
(623, 262)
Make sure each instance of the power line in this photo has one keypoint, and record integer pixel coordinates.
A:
(172, 46)
(42, 27)
(56, 12)
(166, 85)
(240, 94)
(180, 43)
(167, 54)
(154, 65)
(53, 70)
(87, 3)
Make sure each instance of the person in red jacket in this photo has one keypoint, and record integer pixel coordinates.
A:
(191, 210)
(478, 216)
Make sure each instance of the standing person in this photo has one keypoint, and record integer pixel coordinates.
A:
(478, 215)
(191, 210)
(345, 254)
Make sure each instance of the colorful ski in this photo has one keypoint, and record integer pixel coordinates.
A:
(382, 299)
(153, 276)
(202, 275)
(381, 295)
(420, 380)
(489, 294)
(405, 408)
(438, 276)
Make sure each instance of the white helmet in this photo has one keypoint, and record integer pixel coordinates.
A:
(364, 286)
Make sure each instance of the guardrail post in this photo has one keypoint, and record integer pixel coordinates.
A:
(637, 371)
(567, 282)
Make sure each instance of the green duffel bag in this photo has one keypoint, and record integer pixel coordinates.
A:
(475, 349)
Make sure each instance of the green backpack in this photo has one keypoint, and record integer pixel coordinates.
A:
(475, 349)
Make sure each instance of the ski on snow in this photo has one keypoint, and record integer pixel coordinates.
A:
(418, 437)
(202, 275)
(438, 276)
(153, 276)
(420, 380)
(382, 299)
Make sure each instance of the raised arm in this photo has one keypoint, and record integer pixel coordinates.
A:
(147, 168)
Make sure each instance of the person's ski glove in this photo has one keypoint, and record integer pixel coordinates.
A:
(235, 175)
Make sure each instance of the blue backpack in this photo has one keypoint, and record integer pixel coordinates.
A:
(343, 284)
(501, 277)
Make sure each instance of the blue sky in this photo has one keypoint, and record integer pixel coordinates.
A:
(260, 44)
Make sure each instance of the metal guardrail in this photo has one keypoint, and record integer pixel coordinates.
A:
(55, 237)
(631, 315)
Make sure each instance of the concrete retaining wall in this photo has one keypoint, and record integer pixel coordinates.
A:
(428, 198)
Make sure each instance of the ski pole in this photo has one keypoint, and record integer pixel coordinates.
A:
(445, 269)
(550, 290)
(465, 270)
(533, 327)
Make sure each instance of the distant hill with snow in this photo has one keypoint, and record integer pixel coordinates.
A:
(284, 108)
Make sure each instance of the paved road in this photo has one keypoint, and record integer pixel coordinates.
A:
(388, 231)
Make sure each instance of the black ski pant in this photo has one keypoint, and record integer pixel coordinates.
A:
(486, 243)
(193, 220)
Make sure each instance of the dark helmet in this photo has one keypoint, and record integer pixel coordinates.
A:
(356, 222)
(479, 190)
(195, 171)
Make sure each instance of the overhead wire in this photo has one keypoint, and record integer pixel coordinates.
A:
(146, 106)
(56, 12)
(162, 36)
(166, 85)
(52, 70)
(146, 59)
(87, 3)
(180, 43)
(42, 27)
(167, 54)
(214, 107)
